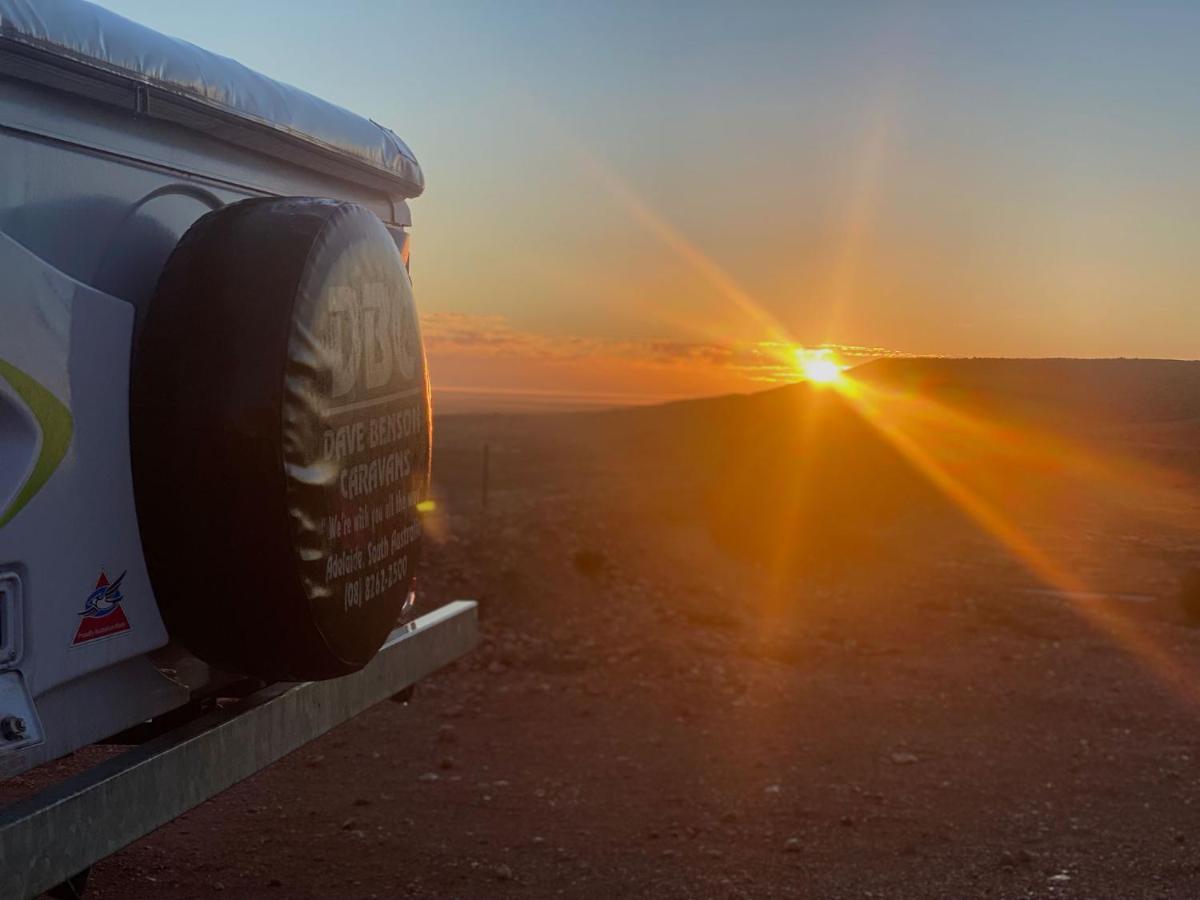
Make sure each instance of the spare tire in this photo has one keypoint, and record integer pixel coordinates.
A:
(280, 437)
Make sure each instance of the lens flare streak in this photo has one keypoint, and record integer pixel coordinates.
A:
(899, 419)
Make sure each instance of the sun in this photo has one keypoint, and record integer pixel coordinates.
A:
(818, 366)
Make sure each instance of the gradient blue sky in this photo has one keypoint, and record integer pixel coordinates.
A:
(989, 179)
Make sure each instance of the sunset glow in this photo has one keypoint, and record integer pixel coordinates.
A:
(894, 236)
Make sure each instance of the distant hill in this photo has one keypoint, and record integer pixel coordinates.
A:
(796, 473)
(1095, 390)
(795, 479)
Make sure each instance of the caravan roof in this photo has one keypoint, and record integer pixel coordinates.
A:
(83, 48)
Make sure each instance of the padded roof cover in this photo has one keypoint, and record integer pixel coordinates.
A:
(88, 34)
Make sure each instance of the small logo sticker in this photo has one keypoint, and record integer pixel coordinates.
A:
(102, 615)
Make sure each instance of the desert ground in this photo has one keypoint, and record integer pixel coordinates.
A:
(701, 676)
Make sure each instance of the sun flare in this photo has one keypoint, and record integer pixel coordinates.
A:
(818, 366)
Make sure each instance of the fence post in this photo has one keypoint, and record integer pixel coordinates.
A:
(486, 456)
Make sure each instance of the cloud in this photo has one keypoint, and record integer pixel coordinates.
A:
(848, 351)
(464, 334)
(773, 361)
(491, 335)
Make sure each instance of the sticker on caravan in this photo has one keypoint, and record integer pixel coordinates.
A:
(102, 615)
(53, 418)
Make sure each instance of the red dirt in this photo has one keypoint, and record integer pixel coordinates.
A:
(637, 724)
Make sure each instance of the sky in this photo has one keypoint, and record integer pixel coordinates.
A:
(629, 202)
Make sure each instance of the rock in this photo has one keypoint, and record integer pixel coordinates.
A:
(793, 845)
(847, 821)
(773, 789)
(362, 801)
(349, 824)
(446, 734)
(503, 873)
(428, 777)
(590, 563)
(274, 882)
(903, 758)
(446, 763)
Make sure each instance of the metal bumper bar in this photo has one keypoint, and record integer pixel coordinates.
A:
(66, 828)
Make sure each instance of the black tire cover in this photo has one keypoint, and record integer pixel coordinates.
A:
(280, 437)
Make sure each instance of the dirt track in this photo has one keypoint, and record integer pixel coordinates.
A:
(635, 725)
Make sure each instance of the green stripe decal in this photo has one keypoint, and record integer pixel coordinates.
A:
(55, 422)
